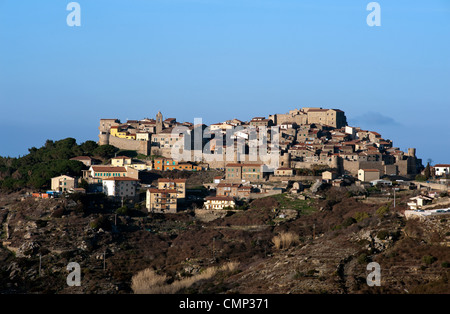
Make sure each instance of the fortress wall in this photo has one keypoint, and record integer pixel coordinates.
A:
(373, 165)
(216, 162)
(294, 178)
(127, 144)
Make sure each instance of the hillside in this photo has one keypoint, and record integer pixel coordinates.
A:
(348, 233)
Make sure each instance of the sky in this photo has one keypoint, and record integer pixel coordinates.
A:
(224, 59)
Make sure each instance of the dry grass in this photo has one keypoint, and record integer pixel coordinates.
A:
(149, 282)
(285, 240)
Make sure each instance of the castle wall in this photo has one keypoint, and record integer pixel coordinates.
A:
(142, 147)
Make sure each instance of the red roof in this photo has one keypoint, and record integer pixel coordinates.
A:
(162, 191)
(226, 185)
(108, 169)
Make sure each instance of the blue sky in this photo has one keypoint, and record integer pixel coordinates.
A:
(223, 59)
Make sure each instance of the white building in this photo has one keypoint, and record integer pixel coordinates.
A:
(219, 202)
(120, 186)
(418, 202)
(442, 169)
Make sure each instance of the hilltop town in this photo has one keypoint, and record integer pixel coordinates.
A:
(305, 138)
(236, 199)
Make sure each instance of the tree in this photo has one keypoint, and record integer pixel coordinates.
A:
(105, 151)
(88, 147)
(427, 171)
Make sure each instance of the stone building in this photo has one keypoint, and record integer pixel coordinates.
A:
(367, 175)
(63, 183)
(161, 200)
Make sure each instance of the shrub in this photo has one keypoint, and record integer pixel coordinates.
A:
(285, 240)
(122, 210)
(445, 264)
(428, 259)
(149, 282)
(349, 221)
(421, 178)
(58, 213)
(359, 216)
(383, 234)
(363, 258)
(381, 211)
(100, 222)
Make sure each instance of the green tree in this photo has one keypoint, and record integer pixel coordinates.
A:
(421, 178)
(105, 151)
(427, 171)
(88, 147)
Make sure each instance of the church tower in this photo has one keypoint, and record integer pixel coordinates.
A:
(159, 122)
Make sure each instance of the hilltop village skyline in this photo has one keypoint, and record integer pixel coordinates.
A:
(306, 137)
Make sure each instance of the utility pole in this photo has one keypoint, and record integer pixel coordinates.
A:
(314, 231)
(40, 263)
(394, 197)
(104, 260)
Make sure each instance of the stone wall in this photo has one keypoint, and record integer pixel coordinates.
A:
(294, 178)
(142, 147)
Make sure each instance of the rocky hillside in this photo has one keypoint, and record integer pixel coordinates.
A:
(335, 237)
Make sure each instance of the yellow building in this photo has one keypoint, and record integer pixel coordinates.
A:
(117, 132)
(120, 161)
(176, 184)
(63, 183)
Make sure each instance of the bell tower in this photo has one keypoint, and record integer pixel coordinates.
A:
(159, 122)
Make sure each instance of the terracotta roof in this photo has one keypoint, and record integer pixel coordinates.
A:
(222, 185)
(233, 165)
(121, 157)
(370, 170)
(162, 191)
(108, 169)
(442, 165)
